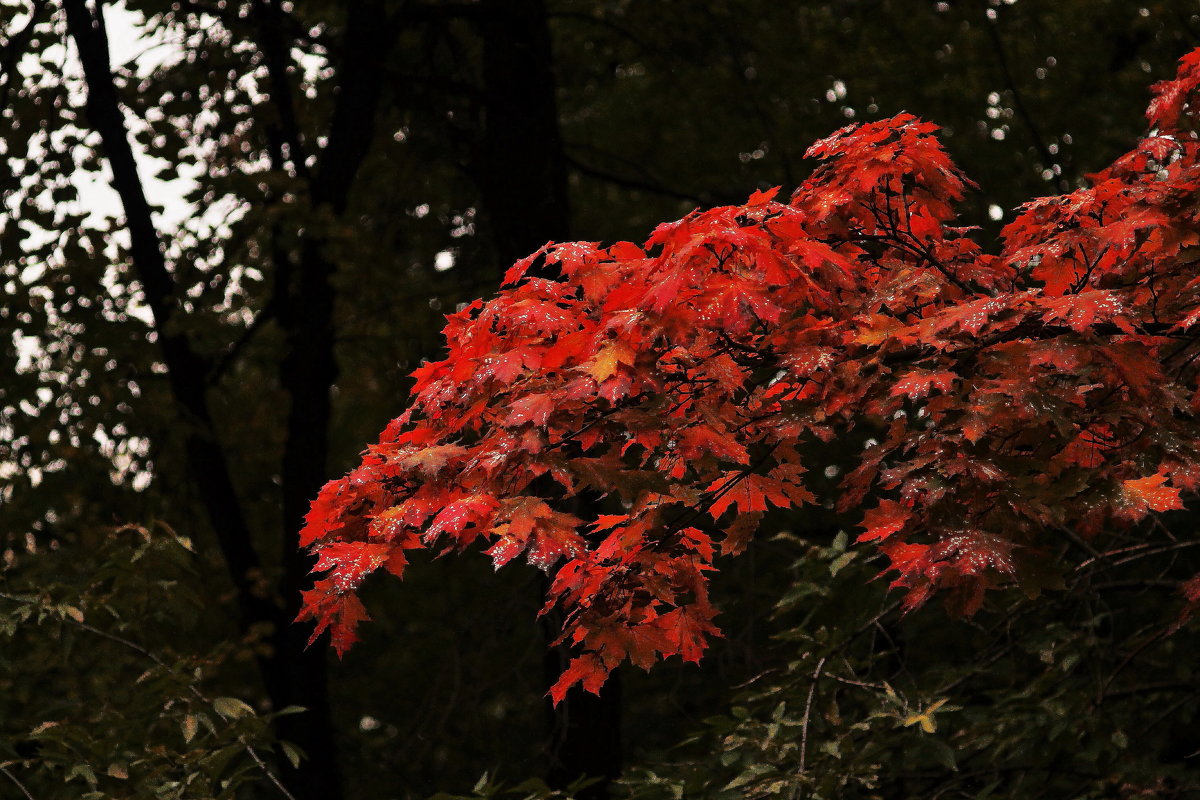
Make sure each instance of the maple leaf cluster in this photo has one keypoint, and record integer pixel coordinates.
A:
(691, 380)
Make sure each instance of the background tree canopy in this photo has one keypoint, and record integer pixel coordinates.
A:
(351, 173)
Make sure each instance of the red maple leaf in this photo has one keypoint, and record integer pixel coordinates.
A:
(587, 669)
(884, 520)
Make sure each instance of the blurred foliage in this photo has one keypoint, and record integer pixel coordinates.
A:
(103, 689)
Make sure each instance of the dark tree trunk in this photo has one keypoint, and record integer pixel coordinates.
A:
(521, 168)
(522, 177)
(298, 675)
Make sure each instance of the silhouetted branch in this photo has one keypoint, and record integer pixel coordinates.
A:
(634, 183)
(1018, 102)
(20, 785)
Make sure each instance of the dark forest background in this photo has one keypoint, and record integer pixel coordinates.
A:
(173, 395)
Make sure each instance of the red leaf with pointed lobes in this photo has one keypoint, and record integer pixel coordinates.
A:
(687, 630)
(320, 518)
(518, 270)
(535, 408)
(396, 562)
(626, 251)
(475, 510)
(700, 440)
(920, 383)
(698, 541)
(1166, 111)
(624, 543)
(350, 562)
(429, 461)
(506, 367)
(1134, 365)
(534, 528)
(664, 292)
(640, 643)
(885, 520)
(587, 669)
(339, 613)
(604, 366)
(751, 492)
(974, 427)
(762, 198)
(1081, 311)
(725, 371)
(739, 533)
(342, 633)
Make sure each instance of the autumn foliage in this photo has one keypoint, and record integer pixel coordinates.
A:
(1006, 400)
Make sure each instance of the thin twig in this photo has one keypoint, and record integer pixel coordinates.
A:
(812, 691)
(1155, 639)
(20, 785)
(638, 184)
(859, 684)
(266, 770)
(1078, 541)
(223, 362)
(1171, 709)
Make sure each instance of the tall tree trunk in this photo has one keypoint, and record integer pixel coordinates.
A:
(309, 368)
(522, 177)
(521, 168)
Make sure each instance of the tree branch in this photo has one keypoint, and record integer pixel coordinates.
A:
(1002, 60)
(226, 359)
(305, 298)
(20, 785)
(634, 183)
(278, 61)
(812, 692)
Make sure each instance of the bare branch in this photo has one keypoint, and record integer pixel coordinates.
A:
(8, 774)
(812, 691)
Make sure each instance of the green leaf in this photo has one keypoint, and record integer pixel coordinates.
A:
(80, 771)
(293, 754)
(841, 561)
(232, 708)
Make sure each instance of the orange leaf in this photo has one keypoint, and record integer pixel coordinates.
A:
(604, 366)
(1149, 492)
